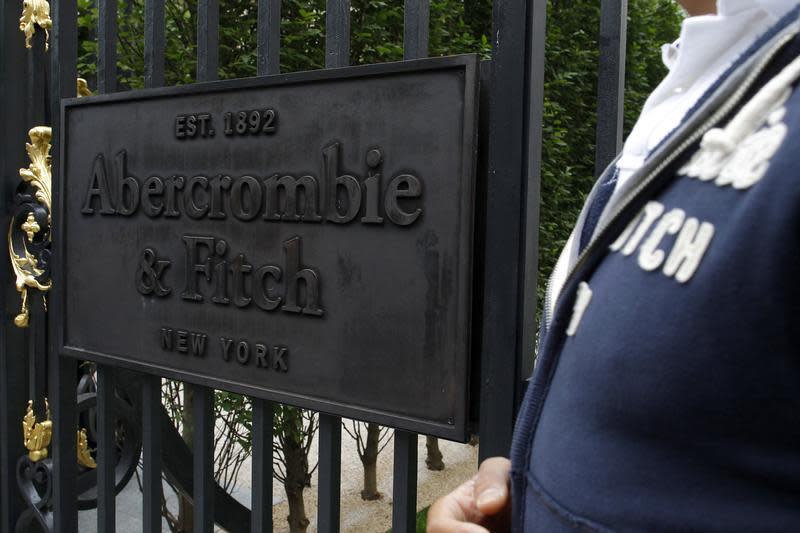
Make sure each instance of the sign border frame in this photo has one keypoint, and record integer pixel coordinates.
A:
(468, 245)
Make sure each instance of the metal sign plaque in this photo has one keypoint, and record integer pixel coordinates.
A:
(305, 238)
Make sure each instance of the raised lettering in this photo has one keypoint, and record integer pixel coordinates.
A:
(218, 184)
(166, 339)
(403, 186)
(262, 352)
(291, 188)
(204, 120)
(344, 191)
(183, 341)
(240, 267)
(294, 275)
(171, 185)
(281, 358)
(221, 274)
(98, 188)
(191, 126)
(373, 188)
(128, 192)
(245, 206)
(195, 208)
(243, 352)
(198, 344)
(153, 189)
(195, 266)
(180, 126)
(262, 292)
(225, 344)
(148, 278)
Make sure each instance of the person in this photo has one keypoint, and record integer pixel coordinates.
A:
(666, 393)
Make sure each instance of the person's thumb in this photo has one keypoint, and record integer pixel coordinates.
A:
(491, 486)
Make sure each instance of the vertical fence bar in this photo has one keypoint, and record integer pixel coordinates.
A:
(107, 46)
(62, 371)
(533, 115)
(611, 81)
(404, 492)
(203, 406)
(268, 62)
(37, 99)
(337, 54)
(154, 43)
(106, 417)
(207, 40)
(154, 40)
(330, 473)
(13, 368)
(261, 504)
(269, 37)
(37, 353)
(151, 453)
(337, 33)
(203, 419)
(511, 206)
(416, 30)
(106, 449)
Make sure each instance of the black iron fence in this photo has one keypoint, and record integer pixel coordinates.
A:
(49, 493)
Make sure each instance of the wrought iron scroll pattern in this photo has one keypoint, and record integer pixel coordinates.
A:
(29, 244)
(29, 230)
(29, 235)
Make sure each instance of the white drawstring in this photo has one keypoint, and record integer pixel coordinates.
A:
(774, 94)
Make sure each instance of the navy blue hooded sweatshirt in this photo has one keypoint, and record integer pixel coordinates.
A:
(666, 395)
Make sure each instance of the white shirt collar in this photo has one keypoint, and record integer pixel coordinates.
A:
(697, 28)
(776, 8)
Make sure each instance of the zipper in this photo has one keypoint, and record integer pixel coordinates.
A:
(718, 115)
(548, 293)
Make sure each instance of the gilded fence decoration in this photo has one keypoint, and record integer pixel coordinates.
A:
(29, 231)
(35, 13)
(37, 434)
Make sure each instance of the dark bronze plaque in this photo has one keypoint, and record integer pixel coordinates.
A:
(305, 238)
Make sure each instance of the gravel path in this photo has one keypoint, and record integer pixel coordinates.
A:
(359, 516)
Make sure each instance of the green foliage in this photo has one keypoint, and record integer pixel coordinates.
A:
(376, 29)
(571, 99)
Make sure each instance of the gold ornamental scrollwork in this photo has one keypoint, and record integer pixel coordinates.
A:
(37, 434)
(35, 13)
(27, 268)
(85, 458)
(38, 172)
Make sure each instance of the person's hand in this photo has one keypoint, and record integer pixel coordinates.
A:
(481, 505)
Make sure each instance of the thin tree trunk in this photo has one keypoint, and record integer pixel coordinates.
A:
(298, 522)
(434, 459)
(296, 480)
(370, 462)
